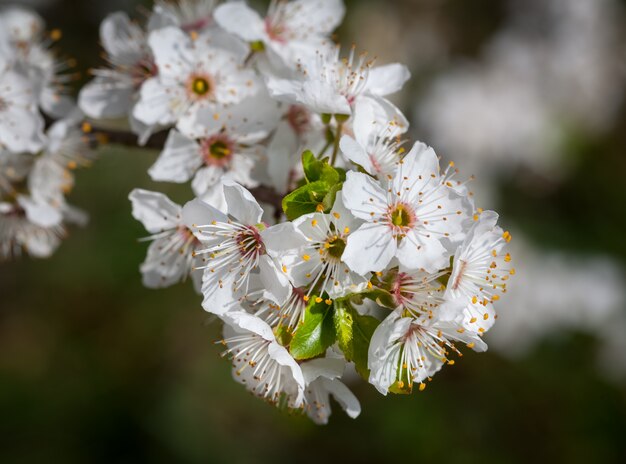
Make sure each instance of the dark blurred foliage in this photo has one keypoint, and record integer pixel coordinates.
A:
(95, 368)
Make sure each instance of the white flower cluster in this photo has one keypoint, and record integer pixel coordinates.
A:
(382, 260)
(36, 162)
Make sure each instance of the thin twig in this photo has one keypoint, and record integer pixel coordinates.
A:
(157, 142)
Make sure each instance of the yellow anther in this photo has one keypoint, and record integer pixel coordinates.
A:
(284, 269)
(474, 300)
(56, 34)
(346, 230)
(314, 222)
(306, 257)
(337, 215)
(86, 127)
(422, 386)
(319, 299)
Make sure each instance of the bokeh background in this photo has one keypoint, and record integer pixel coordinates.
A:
(526, 95)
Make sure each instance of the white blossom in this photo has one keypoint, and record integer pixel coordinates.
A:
(414, 219)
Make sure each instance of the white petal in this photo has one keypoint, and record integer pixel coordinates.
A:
(314, 16)
(356, 153)
(241, 20)
(369, 249)
(159, 104)
(241, 204)
(331, 368)
(342, 394)
(108, 96)
(276, 286)
(178, 161)
(382, 362)
(172, 51)
(417, 251)
(363, 196)
(154, 210)
(387, 79)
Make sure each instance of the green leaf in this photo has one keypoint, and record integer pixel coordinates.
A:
(305, 199)
(316, 333)
(329, 198)
(343, 328)
(363, 328)
(354, 333)
(315, 169)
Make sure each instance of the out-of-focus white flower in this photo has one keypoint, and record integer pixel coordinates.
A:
(28, 51)
(569, 293)
(21, 125)
(414, 219)
(172, 254)
(291, 31)
(516, 103)
(188, 15)
(203, 71)
(114, 91)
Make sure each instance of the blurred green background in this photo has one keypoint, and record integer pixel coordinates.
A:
(95, 368)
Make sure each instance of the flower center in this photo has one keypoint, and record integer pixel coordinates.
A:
(250, 243)
(402, 216)
(217, 150)
(200, 86)
(334, 247)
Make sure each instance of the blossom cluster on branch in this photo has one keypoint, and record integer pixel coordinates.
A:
(36, 160)
(376, 258)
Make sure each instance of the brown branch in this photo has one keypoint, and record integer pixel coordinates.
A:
(263, 194)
